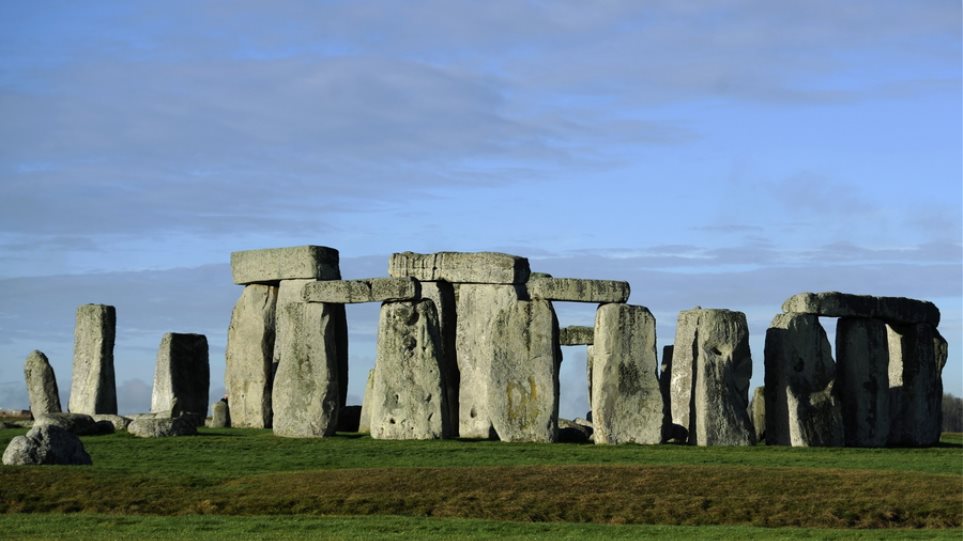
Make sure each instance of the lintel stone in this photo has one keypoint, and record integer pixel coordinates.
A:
(461, 267)
(274, 264)
(889, 309)
(579, 290)
(358, 291)
(577, 335)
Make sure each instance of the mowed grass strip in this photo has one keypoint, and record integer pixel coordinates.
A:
(679, 495)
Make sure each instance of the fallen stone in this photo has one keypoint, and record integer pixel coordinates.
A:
(862, 376)
(409, 400)
(92, 388)
(573, 432)
(576, 335)
(461, 267)
(46, 444)
(151, 426)
(182, 374)
(249, 369)
(364, 423)
(626, 402)
(888, 309)
(802, 408)
(757, 412)
(306, 393)
(917, 354)
(220, 414)
(358, 291)
(523, 382)
(349, 418)
(119, 422)
(274, 264)
(578, 290)
(80, 424)
(41, 384)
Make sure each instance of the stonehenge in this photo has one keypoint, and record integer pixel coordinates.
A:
(92, 388)
(41, 384)
(182, 375)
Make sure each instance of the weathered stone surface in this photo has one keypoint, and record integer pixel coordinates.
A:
(626, 402)
(364, 423)
(47, 444)
(476, 308)
(409, 400)
(578, 290)
(41, 384)
(249, 372)
(182, 374)
(443, 295)
(119, 422)
(365, 290)
(576, 335)
(151, 426)
(589, 361)
(220, 414)
(862, 376)
(889, 309)
(523, 385)
(92, 388)
(573, 432)
(802, 407)
(757, 413)
(274, 264)
(80, 424)
(682, 369)
(461, 267)
(306, 393)
(916, 357)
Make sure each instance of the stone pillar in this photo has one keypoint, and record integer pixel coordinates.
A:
(41, 385)
(757, 412)
(802, 407)
(93, 389)
(523, 385)
(182, 375)
(409, 399)
(862, 374)
(916, 357)
(248, 374)
(684, 354)
(305, 394)
(626, 402)
(589, 361)
(364, 424)
(443, 295)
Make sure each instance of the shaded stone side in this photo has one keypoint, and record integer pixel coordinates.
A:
(92, 388)
(576, 335)
(862, 369)
(915, 384)
(249, 355)
(578, 290)
(305, 394)
(443, 295)
(888, 309)
(523, 385)
(182, 375)
(802, 407)
(295, 263)
(364, 424)
(626, 401)
(41, 384)
(665, 385)
(409, 400)
(359, 291)
(461, 267)
(589, 362)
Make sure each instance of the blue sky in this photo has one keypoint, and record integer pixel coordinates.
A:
(723, 154)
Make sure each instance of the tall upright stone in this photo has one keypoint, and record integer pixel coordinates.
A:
(682, 367)
(182, 375)
(443, 295)
(364, 423)
(409, 399)
(862, 369)
(523, 386)
(249, 370)
(305, 396)
(802, 407)
(626, 401)
(92, 388)
(41, 385)
(916, 357)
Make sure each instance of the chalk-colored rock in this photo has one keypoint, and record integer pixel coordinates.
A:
(306, 395)
(182, 374)
(155, 426)
(220, 414)
(888, 309)
(364, 423)
(41, 384)
(626, 402)
(523, 385)
(274, 264)
(757, 412)
(92, 388)
(916, 358)
(409, 401)
(578, 290)
(682, 368)
(46, 445)
(862, 376)
(576, 335)
(461, 267)
(249, 370)
(358, 291)
(802, 407)
(443, 295)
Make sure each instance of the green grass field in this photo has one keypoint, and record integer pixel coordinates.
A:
(232, 483)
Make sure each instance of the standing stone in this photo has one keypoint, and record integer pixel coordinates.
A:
(92, 388)
(863, 352)
(802, 407)
(41, 384)
(220, 414)
(248, 374)
(409, 401)
(523, 386)
(683, 366)
(182, 374)
(364, 424)
(626, 402)
(757, 412)
(589, 361)
(476, 308)
(915, 384)
(305, 397)
(443, 295)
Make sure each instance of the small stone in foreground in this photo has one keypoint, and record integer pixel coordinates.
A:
(149, 426)
(46, 444)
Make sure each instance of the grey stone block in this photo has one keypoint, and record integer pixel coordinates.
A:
(182, 374)
(274, 264)
(579, 290)
(41, 384)
(917, 354)
(92, 388)
(249, 369)
(862, 369)
(577, 335)
(358, 291)
(461, 267)
(888, 309)
(46, 445)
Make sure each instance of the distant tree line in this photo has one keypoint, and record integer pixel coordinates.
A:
(952, 413)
